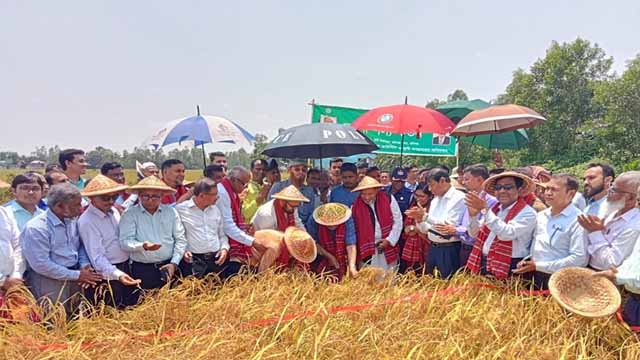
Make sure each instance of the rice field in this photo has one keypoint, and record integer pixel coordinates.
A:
(297, 316)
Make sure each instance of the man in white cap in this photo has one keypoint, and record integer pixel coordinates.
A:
(297, 175)
(153, 235)
(100, 235)
(378, 224)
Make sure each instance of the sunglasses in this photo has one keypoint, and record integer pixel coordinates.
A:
(507, 187)
(108, 198)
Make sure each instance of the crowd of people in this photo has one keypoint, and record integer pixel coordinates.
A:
(65, 237)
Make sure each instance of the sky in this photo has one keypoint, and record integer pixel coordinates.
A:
(110, 73)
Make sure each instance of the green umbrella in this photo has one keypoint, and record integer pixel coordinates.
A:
(456, 110)
(508, 140)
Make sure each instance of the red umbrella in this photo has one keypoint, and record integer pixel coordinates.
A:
(404, 119)
(497, 119)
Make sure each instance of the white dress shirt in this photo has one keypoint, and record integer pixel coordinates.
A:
(612, 245)
(100, 236)
(629, 272)
(446, 209)
(559, 241)
(230, 228)
(519, 230)
(265, 217)
(579, 201)
(204, 228)
(11, 261)
(378, 259)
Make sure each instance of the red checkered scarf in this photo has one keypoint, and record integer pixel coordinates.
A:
(283, 220)
(415, 247)
(335, 246)
(236, 249)
(499, 256)
(365, 228)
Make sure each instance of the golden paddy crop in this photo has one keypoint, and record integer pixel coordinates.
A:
(296, 316)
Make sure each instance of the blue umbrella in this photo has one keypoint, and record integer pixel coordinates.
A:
(201, 129)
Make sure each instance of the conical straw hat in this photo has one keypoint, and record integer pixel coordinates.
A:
(151, 183)
(489, 184)
(300, 245)
(4, 185)
(331, 214)
(577, 290)
(101, 185)
(290, 193)
(367, 182)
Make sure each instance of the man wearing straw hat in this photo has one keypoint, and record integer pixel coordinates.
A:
(503, 240)
(297, 175)
(99, 232)
(281, 211)
(445, 214)
(58, 266)
(378, 223)
(333, 229)
(559, 241)
(153, 235)
(611, 239)
(293, 248)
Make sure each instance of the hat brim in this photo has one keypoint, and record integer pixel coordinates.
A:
(4, 185)
(290, 198)
(369, 186)
(318, 219)
(117, 189)
(289, 238)
(490, 183)
(138, 188)
(578, 291)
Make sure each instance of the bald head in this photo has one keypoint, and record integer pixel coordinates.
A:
(628, 181)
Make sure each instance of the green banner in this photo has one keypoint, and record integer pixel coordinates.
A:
(426, 145)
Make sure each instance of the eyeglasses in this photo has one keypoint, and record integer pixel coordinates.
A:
(150, 197)
(108, 198)
(507, 187)
(27, 188)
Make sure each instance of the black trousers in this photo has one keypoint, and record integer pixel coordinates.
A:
(541, 280)
(151, 276)
(113, 292)
(204, 264)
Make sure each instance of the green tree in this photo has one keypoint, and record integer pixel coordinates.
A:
(616, 134)
(561, 86)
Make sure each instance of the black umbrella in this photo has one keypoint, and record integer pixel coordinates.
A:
(319, 140)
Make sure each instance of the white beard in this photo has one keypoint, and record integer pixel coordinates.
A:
(609, 207)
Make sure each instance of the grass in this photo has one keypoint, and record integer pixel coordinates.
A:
(7, 175)
(407, 317)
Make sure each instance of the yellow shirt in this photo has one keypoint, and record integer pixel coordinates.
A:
(250, 203)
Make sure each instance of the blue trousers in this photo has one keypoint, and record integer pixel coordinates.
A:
(444, 258)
